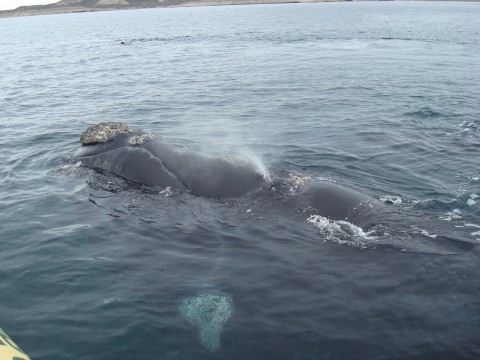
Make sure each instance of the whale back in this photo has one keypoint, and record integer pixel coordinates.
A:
(337, 202)
(137, 156)
(205, 175)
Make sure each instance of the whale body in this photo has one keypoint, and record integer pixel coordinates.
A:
(144, 158)
(141, 157)
(138, 156)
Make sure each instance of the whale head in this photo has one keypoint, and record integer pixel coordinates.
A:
(106, 136)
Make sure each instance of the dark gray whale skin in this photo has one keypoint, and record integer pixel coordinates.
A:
(158, 163)
(337, 202)
(138, 156)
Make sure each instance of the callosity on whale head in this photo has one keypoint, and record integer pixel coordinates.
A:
(104, 132)
(106, 136)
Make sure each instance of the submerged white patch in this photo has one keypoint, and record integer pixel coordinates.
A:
(342, 232)
(66, 230)
(208, 312)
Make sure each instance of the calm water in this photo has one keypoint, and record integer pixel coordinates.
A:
(380, 97)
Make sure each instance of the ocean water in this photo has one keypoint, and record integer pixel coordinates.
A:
(383, 98)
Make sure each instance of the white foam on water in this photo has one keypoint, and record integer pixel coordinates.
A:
(69, 166)
(424, 232)
(167, 192)
(425, 203)
(455, 214)
(475, 233)
(321, 178)
(391, 199)
(472, 201)
(342, 232)
(472, 225)
(69, 169)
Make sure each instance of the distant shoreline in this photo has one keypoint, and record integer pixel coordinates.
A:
(58, 9)
(55, 9)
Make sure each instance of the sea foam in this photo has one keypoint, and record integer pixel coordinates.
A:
(342, 232)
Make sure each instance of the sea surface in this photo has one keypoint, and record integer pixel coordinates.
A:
(382, 98)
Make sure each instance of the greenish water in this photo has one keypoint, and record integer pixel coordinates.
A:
(379, 97)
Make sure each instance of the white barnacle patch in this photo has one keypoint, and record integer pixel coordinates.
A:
(104, 131)
(208, 312)
(295, 182)
(140, 139)
(299, 180)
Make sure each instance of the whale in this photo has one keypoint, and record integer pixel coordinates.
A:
(145, 158)
(341, 214)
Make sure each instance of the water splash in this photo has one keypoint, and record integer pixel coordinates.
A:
(342, 232)
(391, 199)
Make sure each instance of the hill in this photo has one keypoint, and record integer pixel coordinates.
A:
(73, 6)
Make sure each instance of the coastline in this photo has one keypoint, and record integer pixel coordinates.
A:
(52, 9)
(55, 9)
